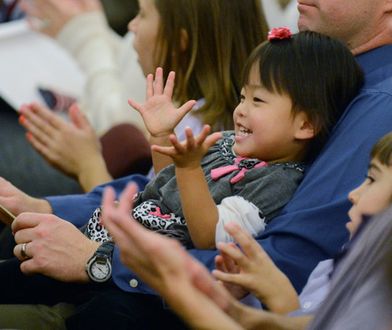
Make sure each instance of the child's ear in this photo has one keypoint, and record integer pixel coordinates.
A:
(304, 127)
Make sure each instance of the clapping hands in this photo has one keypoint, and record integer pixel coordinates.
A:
(249, 267)
(50, 16)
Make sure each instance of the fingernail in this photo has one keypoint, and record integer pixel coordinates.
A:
(22, 119)
(29, 136)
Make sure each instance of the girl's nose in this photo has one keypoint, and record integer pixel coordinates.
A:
(240, 110)
(354, 195)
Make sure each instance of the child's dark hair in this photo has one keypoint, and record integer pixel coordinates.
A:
(318, 73)
(382, 150)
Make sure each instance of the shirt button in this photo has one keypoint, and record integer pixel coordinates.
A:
(133, 283)
(307, 305)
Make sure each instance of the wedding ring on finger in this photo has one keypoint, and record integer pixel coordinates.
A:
(23, 252)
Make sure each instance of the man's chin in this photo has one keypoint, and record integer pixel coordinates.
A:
(302, 24)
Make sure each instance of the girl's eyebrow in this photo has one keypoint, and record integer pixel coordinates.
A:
(373, 166)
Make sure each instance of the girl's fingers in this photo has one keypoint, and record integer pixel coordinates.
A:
(233, 256)
(228, 277)
(179, 147)
(190, 139)
(41, 147)
(212, 139)
(149, 86)
(126, 198)
(36, 124)
(45, 114)
(135, 105)
(220, 264)
(158, 82)
(113, 219)
(108, 198)
(203, 134)
(185, 108)
(168, 151)
(78, 118)
(248, 244)
(35, 132)
(230, 264)
(168, 90)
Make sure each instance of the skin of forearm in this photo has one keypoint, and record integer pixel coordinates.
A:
(94, 174)
(282, 299)
(200, 210)
(43, 206)
(198, 311)
(160, 161)
(282, 322)
(252, 319)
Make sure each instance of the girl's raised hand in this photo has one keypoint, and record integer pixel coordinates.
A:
(256, 272)
(159, 113)
(189, 152)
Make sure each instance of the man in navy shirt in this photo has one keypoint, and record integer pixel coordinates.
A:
(310, 228)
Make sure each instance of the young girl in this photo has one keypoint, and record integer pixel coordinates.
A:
(205, 43)
(188, 289)
(250, 174)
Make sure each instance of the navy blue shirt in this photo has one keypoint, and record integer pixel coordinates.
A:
(311, 226)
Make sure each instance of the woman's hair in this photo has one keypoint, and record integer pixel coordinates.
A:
(382, 150)
(318, 73)
(220, 36)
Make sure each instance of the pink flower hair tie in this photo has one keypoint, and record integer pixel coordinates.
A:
(279, 33)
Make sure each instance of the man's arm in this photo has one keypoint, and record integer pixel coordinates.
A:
(78, 209)
(17, 202)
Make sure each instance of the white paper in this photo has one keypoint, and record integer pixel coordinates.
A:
(28, 60)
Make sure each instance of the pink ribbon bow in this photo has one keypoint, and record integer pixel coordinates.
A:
(158, 213)
(217, 173)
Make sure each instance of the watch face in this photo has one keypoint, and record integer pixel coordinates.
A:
(100, 271)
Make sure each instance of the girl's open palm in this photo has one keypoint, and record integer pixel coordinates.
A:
(158, 112)
(189, 152)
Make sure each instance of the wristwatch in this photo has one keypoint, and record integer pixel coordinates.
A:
(99, 266)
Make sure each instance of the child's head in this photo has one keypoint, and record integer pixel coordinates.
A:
(375, 193)
(206, 43)
(296, 87)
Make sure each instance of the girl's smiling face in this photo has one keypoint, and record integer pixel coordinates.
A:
(266, 127)
(372, 196)
(145, 27)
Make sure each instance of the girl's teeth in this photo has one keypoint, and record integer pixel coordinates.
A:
(244, 132)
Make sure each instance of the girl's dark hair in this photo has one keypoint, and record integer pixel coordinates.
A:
(318, 73)
(382, 150)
